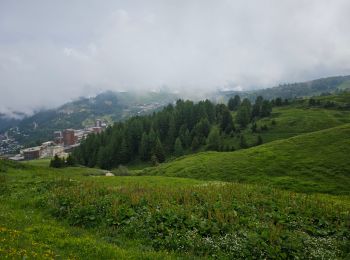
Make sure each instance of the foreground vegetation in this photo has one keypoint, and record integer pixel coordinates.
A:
(62, 213)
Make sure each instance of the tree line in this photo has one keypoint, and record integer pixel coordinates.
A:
(177, 129)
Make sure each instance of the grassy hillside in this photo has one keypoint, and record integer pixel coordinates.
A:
(292, 120)
(71, 213)
(314, 162)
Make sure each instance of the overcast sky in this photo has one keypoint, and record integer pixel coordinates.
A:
(53, 51)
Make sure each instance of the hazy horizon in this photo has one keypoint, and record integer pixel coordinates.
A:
(54, 52)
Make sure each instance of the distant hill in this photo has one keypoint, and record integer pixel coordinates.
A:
(313, 162)
(295, 90)
(108, 106)
(6, 122)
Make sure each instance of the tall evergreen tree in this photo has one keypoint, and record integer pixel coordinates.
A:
(124, 155)
(144, 149)
(256, 110)
(242, 142)
(178, 149)
(195, 143)
(259, 140)
(214, 140)
(243, 116)
(171, 136)
(266, 108)
(234, 103)
(71, 160)
(226, 124)
(159, 151)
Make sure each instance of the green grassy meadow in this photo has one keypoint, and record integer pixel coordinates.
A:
(70, 213)
(313, 162)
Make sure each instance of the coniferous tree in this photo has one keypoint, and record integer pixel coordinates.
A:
(226, 124)
(178, 149)
(256, 110)
(171, 136)
(214, 140)
(259, 140)
(243, 116)
(154, 160)
(124, 156)
(195, 144)
(185, 136)
(234, 103)
(242, 142)
(144, 149)
(159, 151)
(266, 108)
(278, 101)
(254, 127)
(71, 160)
(105, 158)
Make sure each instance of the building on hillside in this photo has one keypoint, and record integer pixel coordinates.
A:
(98, 123)
(31, 153)
(50, 149)
(97, 129)
(57, 137)
(68, 137)
(70, 148)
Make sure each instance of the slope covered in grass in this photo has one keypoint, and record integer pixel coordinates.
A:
(314, 162)
(72, 213)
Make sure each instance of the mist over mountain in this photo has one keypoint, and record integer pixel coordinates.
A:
(54, 52)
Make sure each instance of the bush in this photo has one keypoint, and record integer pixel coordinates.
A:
(57, 162)
(122, 171)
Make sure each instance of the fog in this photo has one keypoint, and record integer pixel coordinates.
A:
(55, 51)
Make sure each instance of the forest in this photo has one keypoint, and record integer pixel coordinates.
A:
(178, 129)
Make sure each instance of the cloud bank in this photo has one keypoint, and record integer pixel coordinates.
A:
(53, 51)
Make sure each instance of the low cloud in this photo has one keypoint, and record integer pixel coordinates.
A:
(51, 53)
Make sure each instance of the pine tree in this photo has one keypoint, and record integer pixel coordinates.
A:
(195, 143)
(171, 136)
(243, 116)
(214, 140)
(266, 108)
(104, 156)
(124, 156)
(259, 141)
(234, 103)
(154, 160)
(254, 127)
(159, 151)
(71, 160)
(226, 124)
(178, 149)
(242, 142)
(144, 149)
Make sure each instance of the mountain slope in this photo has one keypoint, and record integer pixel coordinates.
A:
(301, 89)
(109, 106)
(314, 162)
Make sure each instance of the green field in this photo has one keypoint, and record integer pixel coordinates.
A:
(71, 213)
